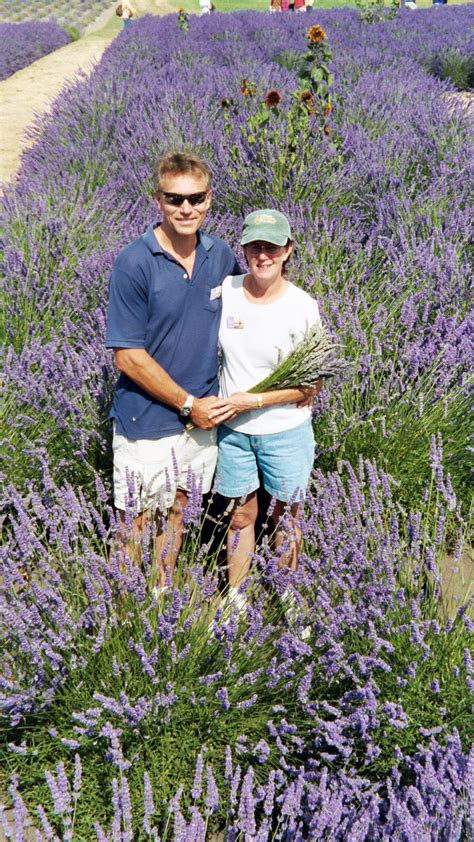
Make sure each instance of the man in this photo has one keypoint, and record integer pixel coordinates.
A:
(163, 324)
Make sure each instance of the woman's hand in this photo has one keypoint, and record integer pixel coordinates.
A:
(226, 408)
(309, 394)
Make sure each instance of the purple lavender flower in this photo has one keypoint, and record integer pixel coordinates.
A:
(148, 803)
(246, 810)
(212, 796)
(197, 785)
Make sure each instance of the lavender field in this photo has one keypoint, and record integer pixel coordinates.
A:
(24, 43)
(127, 718)
(75, 13)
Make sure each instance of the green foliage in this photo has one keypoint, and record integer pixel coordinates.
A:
(291, 59)
(374, 11)
(183, 20)
(454, 65)
(282, 137)
(398, 434)
(73, 32)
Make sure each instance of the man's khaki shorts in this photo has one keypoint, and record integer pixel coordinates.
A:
(147, 472)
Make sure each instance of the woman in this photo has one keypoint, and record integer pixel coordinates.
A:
(263, 317)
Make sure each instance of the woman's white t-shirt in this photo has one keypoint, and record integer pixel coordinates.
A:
(254, 338)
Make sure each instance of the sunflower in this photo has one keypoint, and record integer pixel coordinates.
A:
(307, 99)
(316, 34)
(272, 98)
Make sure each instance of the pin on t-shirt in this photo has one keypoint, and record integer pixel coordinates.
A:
(233, 323)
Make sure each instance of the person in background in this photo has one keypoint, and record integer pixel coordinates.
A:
(299, 5)
(205, 7)
(263, 317)
(309, 5)
(128, 11)
(163, 324)
(275, 6)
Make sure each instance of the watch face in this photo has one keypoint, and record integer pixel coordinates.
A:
(187, 407)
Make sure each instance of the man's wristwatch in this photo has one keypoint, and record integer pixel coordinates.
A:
(187, 406)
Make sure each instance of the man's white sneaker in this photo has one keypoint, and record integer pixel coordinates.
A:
(290, 606)
(159, 590)
(292, 611)
(235, 600)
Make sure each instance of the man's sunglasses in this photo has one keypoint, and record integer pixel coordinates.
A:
(177, 199)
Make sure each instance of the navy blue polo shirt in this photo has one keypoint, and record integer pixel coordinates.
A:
(154, 305)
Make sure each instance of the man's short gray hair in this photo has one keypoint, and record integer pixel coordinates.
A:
(179, 163)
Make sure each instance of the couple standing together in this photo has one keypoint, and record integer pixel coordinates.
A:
(176, 295)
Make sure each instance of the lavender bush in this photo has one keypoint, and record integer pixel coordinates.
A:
(376, 685)
(23, 43)
(351, 719)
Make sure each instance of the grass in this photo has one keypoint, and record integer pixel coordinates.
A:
(262, 5)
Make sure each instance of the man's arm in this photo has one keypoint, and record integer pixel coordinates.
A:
(137, 364)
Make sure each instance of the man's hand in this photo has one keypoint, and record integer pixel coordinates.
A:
(200, 414)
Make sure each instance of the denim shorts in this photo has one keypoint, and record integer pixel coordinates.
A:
(285, 461)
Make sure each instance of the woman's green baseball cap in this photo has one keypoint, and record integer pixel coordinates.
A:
(268, 225)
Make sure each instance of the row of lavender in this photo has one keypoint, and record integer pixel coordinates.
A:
(24, 43)
(374, 726)
(74, 13)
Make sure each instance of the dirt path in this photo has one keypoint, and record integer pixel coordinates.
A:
(31, 91)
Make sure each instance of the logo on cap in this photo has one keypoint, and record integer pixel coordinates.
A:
(264, 219)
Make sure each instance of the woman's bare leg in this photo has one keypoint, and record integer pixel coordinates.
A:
(291, 533)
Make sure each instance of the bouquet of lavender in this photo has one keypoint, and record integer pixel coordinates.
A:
(314, 358)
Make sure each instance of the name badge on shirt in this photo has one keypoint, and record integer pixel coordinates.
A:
(216, 292)
(234, 323)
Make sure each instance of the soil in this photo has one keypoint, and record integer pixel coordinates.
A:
(30, 92)
(464, 98)
(457, 583)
